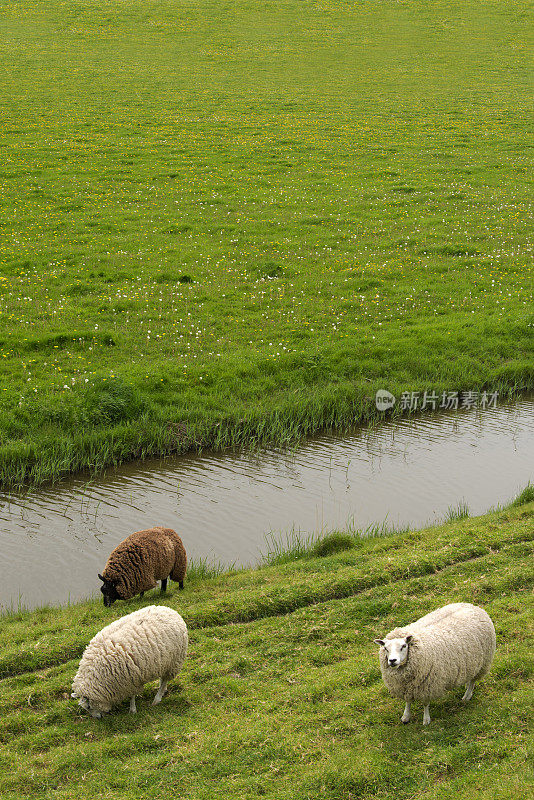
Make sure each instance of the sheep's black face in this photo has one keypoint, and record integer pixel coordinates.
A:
(109, 591)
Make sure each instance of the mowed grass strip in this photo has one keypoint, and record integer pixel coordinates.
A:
(293, 705)
(222, 225)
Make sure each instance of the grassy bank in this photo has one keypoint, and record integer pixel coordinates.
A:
(221, 226)
(281, 694)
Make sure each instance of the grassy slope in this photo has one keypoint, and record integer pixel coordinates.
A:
(281, 694)
(347, 184)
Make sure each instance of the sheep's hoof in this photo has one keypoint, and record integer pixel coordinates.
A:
(468, 693)
(405, 720)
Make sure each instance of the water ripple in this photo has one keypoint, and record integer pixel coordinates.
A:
(223, 505)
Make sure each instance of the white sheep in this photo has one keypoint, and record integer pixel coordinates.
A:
(140, 647)
(448, 647)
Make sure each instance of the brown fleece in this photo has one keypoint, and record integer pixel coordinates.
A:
(144, 558)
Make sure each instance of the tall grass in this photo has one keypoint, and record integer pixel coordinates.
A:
(287, 547)
(524, 497)
(295, 544)
(200, 569)
(457, 512)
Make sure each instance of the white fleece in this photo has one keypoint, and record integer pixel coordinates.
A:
(450, 646)
(140, 647)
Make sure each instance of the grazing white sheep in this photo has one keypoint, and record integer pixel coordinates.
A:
(451, 646)
(140, 647)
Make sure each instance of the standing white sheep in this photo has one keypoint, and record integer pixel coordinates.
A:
(451, 646)
(140, 647)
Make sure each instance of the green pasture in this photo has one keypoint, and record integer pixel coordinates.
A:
(281, 694)
(223, 223)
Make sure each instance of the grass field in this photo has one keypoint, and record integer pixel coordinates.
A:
(281, 694)
(226, 222)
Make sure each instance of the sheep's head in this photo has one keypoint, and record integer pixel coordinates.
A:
(94, 708)
(396, 650)
(109, 590)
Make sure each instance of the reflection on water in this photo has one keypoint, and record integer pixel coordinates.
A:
(54, 541)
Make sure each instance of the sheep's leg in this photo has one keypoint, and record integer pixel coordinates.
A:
(133, 709)
(181, 584)
(141, 594)
(426, 715)
(164, 585)
(161, 691)
(470, 685)
(406, 717)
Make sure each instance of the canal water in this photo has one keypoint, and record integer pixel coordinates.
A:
(54, 541)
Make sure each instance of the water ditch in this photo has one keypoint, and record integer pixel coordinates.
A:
(410, 471)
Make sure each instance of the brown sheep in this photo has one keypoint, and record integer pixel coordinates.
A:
(142, 559)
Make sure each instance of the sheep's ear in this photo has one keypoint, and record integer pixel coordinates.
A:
(101, 578)
(381, 642)
(74, 695)
(408, 639)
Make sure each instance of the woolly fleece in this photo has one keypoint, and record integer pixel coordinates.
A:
(450, 646)
(140, 647)
(143, 558)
